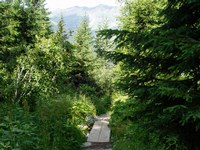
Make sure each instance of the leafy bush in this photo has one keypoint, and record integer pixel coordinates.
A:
(102, 104)
(59, 123)
(87, 90)
(128, 133)
(63, 121)
(18, 129)
(80, 111)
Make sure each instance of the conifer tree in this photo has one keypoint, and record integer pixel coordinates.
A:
(83, 38)
(103, 70)
(101, 44)
(63, 36)
(159, 59)
(9, 44)
(34, 21)
(83, 54)
(23, 23)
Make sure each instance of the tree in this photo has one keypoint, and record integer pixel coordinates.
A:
(83, 54)
(83, 37)
(22, 23)
(35, 21)
(140, 15)
(9, 34)
(103, 71)
(63, 36)
(159, 59)
(101, 44)
(10, 47)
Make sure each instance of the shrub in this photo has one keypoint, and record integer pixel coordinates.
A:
(128, 133)
(59, 123)
(63, 121)
(18, 130)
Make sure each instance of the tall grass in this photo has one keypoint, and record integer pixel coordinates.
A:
(58, 123)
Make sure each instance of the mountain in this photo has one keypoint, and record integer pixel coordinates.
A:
(96, 15)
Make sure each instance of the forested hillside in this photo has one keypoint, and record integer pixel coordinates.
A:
(146, 75)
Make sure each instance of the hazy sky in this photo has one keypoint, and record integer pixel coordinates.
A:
(53, 4)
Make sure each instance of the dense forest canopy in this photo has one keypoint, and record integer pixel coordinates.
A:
(146, 73)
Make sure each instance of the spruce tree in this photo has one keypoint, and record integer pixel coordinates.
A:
(34, 21)
(83, 38)
(9, 45)
(83, 54)
(63, 36)
(23, 23)
(101, 44)
(103, 70)
(159, 59)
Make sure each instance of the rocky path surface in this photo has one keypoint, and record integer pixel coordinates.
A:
(99, 137)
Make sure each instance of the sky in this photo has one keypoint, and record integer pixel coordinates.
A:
(54, 4)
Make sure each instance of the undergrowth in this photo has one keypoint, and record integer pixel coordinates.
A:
(60, 122)
(131, 129)
(129, 134)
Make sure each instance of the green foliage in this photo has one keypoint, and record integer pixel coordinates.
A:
(63, 120)
(102, 44)
(88, 90)
(83, 55)
(138, 15)
(81, 109)
(60, 123)
(101, 101)
(103, 69)
(62, 36)
(23, 23)
(102, 104)
(128, 133)
(17, 129)
(36, 64)
(103, 74)
(39, 72)
(157, 57)
(83, 36)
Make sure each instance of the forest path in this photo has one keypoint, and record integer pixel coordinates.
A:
(99, 137)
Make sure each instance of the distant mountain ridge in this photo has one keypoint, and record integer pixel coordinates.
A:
(96, 15)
